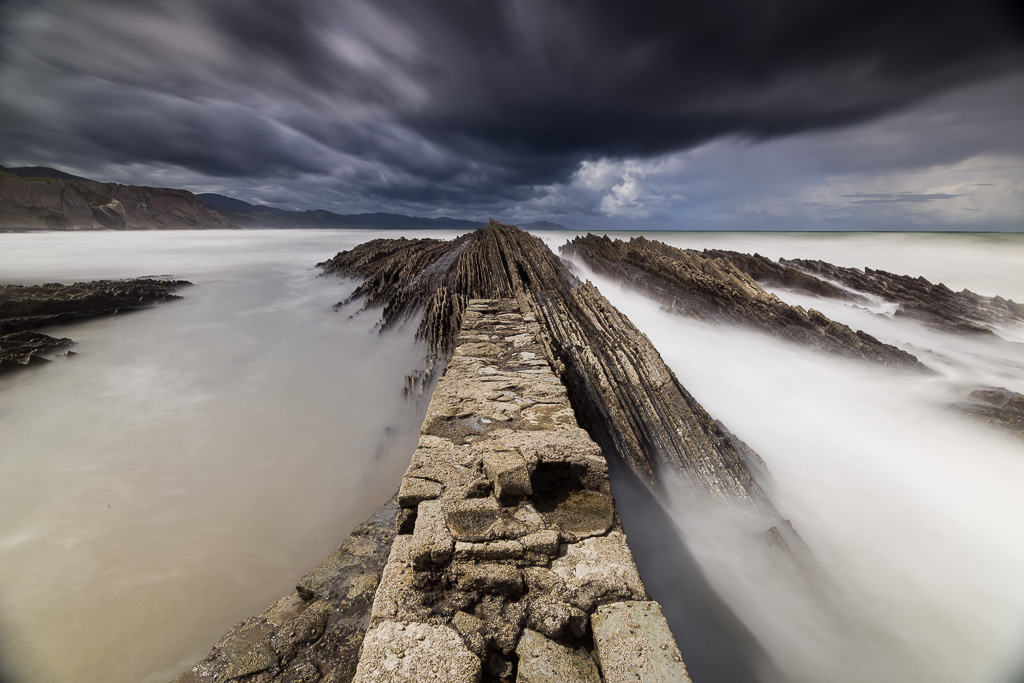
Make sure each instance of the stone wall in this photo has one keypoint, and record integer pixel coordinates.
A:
(506, 561)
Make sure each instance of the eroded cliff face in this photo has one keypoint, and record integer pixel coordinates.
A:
(56, 204)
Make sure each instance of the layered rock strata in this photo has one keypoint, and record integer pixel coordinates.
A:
(505, 556)
(59, 204)
(24, 308)
(707, 287)
(623, 393)
(933, 304)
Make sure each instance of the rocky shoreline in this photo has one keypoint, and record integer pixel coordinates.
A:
(26, 308)
(505, 557)
(502, 557)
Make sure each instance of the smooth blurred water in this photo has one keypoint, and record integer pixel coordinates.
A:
(195, 459)
(912, 510)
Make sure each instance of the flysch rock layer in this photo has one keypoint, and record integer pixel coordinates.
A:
(515, 541)
(495, 561)
(623, 393)
(706, 287)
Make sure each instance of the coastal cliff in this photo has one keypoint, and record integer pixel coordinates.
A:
(63, 204)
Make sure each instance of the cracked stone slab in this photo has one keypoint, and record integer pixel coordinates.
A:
(394, 652)
(544, 661)
(432, 543)
(415, 490)
(633, 643)
(599, 570)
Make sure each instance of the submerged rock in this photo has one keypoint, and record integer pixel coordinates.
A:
(19, 349)
(996, 406)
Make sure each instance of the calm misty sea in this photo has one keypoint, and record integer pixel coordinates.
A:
(193, 460)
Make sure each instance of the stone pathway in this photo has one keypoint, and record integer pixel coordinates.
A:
(512, 565)
(505, 557)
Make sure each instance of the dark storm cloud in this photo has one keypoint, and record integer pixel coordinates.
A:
(453, 101)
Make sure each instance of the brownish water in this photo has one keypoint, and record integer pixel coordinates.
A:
(194, 460)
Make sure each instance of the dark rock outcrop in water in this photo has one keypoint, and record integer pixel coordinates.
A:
(58, 203)
(706, 287)
(621, 389)
(29, 307)
(996, 406)
(935, 305)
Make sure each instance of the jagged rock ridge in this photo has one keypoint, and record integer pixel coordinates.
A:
(621, 389)
(933, 304)
(706, 287)
(28, 307)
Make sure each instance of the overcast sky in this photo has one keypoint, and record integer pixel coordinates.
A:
(710, 114)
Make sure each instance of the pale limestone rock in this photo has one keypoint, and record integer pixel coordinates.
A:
(509, 473)
(633, 643)
(411, 653)
(599, 570)
(415, 490)
(432, 544)
(544, 661)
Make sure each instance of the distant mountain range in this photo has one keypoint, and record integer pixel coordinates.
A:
(249, 215)
(39, 197)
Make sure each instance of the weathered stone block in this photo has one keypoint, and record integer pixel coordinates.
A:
(599, 570)
(544, 661)
(509, 473)
(490, 551)
(433, 545)
(543, 542)
(633, 643)
(498, 579)
(415, 490)
(411, 653)
(556, 619)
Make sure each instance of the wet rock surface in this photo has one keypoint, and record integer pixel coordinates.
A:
(24, 308)
(706, 286)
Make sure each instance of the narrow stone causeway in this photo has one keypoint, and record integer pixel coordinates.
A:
(507, 558)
